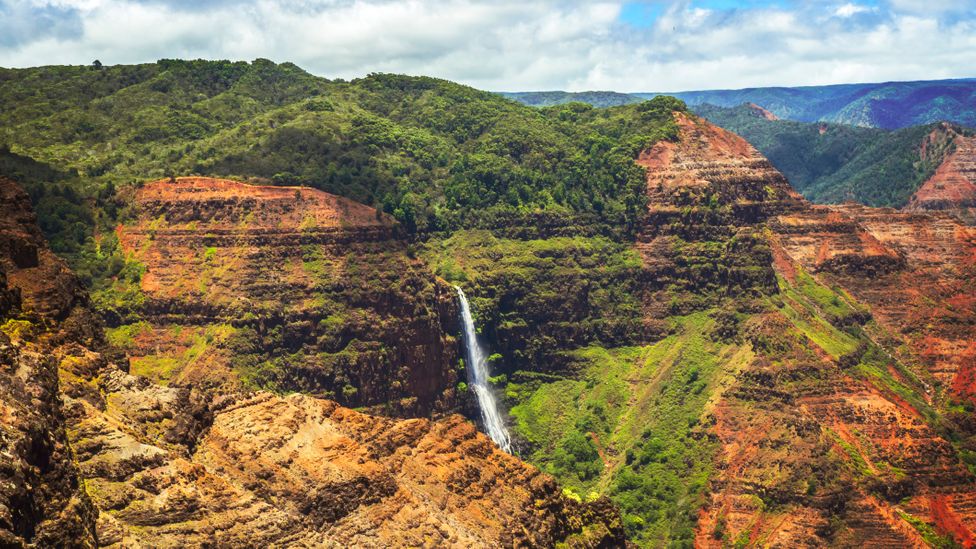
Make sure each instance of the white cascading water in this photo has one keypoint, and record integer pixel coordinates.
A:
(477, 367)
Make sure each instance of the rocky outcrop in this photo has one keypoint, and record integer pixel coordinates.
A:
(259, 477)
(707, 193)
(296, 289)
(43, 502)
(761, 112)
(952, 187)
(307, 472)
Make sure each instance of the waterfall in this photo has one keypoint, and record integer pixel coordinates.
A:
(477, 367)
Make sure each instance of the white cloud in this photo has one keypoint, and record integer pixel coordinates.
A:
(510, 44)
(849, 10)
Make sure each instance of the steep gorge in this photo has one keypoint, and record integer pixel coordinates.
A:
(740, 368)
(99, 456)
(798, 376)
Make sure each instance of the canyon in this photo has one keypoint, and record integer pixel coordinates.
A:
(272, 364)
(102, 457)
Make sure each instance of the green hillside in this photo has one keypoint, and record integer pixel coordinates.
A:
(435, 154)
(831, 163)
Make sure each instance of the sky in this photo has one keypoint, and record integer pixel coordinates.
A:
(506, 45)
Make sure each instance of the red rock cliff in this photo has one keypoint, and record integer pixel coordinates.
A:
(295, 288)
(953, 186)
(861, 325)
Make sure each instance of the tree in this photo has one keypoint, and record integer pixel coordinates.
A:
(96, 65)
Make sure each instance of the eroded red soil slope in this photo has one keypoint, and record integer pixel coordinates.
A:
(953, 186)
(862, 323)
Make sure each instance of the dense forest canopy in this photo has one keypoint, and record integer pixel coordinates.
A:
(428, 151)
(434, 154)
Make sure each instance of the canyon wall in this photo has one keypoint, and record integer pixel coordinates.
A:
(285, 288)
(43, 501)
(101, 457)
(839, 430)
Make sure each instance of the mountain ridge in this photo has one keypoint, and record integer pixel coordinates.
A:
(888, 105)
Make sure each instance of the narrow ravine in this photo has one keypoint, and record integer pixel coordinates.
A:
(477, 368)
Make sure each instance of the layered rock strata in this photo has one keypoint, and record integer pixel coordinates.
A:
(96, 456)
(837, 432)
(289, 288)
(952, 187)
(707, 193)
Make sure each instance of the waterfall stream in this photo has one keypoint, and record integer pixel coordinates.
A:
(477, 368)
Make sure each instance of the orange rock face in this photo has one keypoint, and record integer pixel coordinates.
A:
(303, 471)
(272, 269)
(762, 112)
(837, 432)
(709, 187)
(260, 207)
(914, 271)
(708, 159)
(953, 186)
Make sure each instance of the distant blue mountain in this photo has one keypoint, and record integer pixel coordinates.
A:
(888, 105)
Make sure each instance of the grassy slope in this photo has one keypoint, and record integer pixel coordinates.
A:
(636, 413)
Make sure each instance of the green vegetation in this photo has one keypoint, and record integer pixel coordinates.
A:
(817, 311)
(929, 534)
(627, 423)
(124, 336)
(17, 330)
(187, 346)
(70, 210)
(832, 163)
(434, 154)
(531, 294)
(116, 292)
